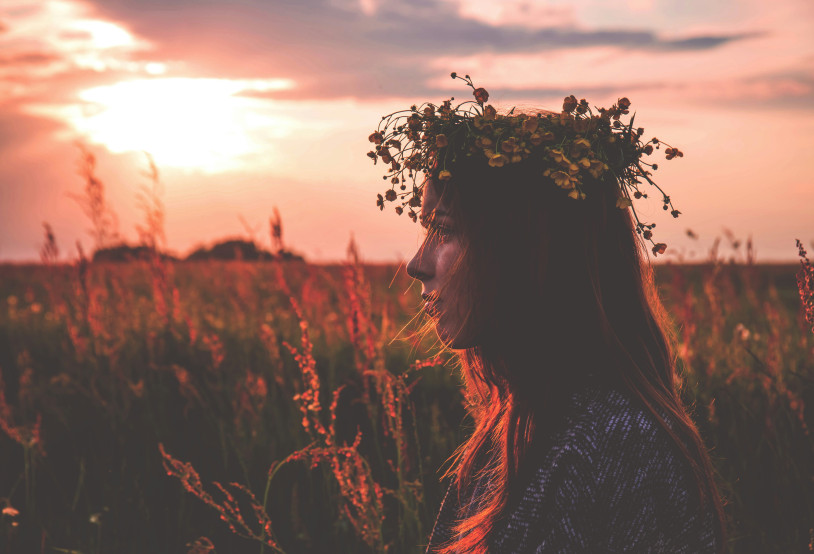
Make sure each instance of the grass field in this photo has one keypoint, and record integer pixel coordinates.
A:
(259, 407)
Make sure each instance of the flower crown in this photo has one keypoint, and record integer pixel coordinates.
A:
(572, 143)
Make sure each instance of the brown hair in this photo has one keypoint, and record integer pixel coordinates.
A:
(564, 296)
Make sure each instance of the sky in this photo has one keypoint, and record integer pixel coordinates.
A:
(247, 105)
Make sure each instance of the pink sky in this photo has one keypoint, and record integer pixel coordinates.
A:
(254, 104)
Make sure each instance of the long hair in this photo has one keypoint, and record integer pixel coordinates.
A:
(560, 295)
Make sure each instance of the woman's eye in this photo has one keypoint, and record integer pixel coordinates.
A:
(437, 229)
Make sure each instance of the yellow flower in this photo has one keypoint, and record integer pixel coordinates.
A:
(581, 144)
(483, 142)
(597, 168)
(516, 158)
(558, 156)
(497, 160)
(576, 195)
(623, 203)
(530, 125)
(510, 145)
(444, 175)
(585, 163)
(562, 179)
(538, 138)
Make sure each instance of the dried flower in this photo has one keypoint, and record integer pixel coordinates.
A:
(481, 96)
(805, 284)
(569, 104)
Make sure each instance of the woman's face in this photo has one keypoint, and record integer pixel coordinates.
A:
(432, 266)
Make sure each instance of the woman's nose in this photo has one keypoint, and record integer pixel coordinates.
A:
(420, 267)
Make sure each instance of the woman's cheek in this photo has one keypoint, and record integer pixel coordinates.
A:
(449, 252)
(446, 260)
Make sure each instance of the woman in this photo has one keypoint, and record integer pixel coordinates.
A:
(532, 270)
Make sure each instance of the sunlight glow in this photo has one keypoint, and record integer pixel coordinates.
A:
(190, 123)
(103, 34)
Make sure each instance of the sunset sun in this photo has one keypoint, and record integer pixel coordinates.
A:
(200, 124)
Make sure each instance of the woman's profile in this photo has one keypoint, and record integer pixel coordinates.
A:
(533, 271)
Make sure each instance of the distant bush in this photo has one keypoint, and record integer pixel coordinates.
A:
(239, 249)
(124, 252)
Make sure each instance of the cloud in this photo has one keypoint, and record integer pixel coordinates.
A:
(28, 59)
(704, 42)
(336, 49)
(761, 91)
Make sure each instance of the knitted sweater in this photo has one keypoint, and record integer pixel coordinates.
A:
(613, 482)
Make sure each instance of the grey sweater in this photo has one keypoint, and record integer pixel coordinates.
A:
(612, 482)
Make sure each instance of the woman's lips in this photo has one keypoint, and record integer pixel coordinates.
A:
(430, 304)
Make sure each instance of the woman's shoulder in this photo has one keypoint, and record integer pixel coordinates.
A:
(619, 451)
(612, 476)
(599, 419)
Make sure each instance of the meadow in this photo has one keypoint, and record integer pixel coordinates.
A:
(231, 407)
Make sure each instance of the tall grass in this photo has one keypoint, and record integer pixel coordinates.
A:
(272, 392)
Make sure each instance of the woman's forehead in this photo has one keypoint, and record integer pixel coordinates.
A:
(432, 204)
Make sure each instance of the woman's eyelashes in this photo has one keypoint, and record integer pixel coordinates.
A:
(440, 230)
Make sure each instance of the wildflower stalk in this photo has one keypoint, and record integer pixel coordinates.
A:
(805, 284)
